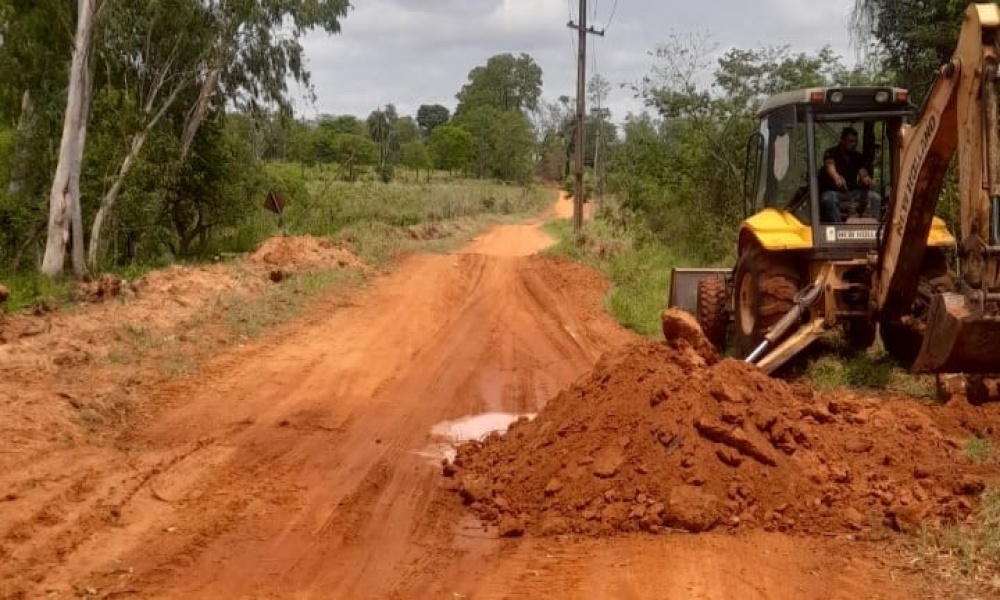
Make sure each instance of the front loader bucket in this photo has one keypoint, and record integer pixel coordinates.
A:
(959, 338)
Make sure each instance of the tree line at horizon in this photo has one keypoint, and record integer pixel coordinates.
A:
(129, 130)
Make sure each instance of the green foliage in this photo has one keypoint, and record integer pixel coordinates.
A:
(30, 289)
(861, 371)
(911, 38)
(406, 130)
(453, 148)
(432, 116)
(978, 449)
(504, 142)
(637, 265)
(382, 130)
(258, 64)
(504, 83)
(414, 155)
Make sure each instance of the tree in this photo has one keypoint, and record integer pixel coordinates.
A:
(352, 151)
(152, 77)
(65, 216)
(504, 142)
(247, 62)
(343, 124)
(506, 82)
(511, 143)
(453, 148)
(37, 41)
(912, 37)
(414, 155)
(430, 117)
(406, 130)
(382, 130)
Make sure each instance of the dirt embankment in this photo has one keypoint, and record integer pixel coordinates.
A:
(667, 435)
(71, 373)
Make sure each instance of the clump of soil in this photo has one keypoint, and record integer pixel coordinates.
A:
(106, 286)
(299, 252)
(670, 435)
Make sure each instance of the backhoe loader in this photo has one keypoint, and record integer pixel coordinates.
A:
(873, 258)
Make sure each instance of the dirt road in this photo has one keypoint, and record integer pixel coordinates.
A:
(306, 464)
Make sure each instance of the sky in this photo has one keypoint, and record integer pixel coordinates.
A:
(413, 52)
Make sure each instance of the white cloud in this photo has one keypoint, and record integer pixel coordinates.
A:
(412, 52)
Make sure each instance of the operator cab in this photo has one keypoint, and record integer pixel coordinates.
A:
(858, 127)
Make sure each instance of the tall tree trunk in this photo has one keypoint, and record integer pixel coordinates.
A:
(79, 266)
(64, 199)
(109, 199)
(200, 110)
(138, 140)
(19, 164)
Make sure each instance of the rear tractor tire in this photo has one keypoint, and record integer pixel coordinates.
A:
(712, 314)
(764, 291)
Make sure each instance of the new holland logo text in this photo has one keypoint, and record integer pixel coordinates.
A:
(836, 234)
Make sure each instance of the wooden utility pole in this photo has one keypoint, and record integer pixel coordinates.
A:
(581, 106)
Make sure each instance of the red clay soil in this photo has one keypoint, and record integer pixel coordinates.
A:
(661, 436)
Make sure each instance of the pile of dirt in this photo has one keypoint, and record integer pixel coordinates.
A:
(300, 252)
(668, 435)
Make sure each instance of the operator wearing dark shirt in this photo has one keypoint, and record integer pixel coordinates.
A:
(844, 172)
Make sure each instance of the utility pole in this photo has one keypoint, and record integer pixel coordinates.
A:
(581, 97)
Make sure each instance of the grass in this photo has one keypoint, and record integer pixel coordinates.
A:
(32, 290)
(639, 272)
(377, 219)
(248, 317)
(965, 557)
(978, 449)
(873, 371)
(322, 205)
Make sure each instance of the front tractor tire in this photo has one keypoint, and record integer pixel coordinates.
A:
(764, 291)
(712, 314)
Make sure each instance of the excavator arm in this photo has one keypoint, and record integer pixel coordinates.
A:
(960, 331)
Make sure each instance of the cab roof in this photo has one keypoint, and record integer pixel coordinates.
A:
(854, 98)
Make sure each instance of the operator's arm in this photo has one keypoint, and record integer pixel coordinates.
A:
(865, 172)
(831, 169)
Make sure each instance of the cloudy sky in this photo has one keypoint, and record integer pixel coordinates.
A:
(413, 52)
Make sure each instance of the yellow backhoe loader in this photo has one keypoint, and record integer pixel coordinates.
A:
(862, 249)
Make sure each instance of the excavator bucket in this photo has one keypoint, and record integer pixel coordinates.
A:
(960, 338)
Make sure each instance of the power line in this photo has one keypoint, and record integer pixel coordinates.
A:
(572, 18)
(611, 19)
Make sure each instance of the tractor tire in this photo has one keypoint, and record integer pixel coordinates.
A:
(712, 314)
(764, 292)
(902, 342)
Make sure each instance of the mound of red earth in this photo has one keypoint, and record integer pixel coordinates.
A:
(304, 252)
(669, 436)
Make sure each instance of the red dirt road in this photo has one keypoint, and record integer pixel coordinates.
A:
(302, 465)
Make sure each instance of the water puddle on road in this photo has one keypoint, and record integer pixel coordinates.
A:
(475, 427)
